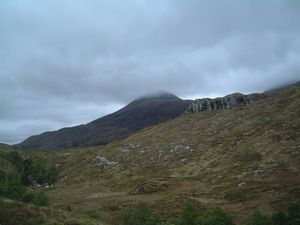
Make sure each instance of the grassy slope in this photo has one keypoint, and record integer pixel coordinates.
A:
(240, 159)
(14, 212)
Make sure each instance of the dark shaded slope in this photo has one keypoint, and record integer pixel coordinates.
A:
(139, 114)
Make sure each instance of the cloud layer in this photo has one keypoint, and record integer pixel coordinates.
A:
(67, 62)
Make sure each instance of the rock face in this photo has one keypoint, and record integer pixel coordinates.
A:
(227, 102)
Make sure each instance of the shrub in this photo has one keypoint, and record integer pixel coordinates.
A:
(141, 215)
(40, 199)
(12, 188)
(217, 216)
(294, 214)
(189, 215)
(41, 171)
(251, 155)
(38, 171)
(15, 158)
(26, 172)
(93, 213)
(2, 176)
(67, 207)
(259, 219)
(52, 173)
(279, 218)
(28, 197)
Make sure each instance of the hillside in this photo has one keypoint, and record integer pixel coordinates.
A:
(21, 203)
(241, 159)
(137, 115)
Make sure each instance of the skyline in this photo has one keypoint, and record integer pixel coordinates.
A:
(65, 63)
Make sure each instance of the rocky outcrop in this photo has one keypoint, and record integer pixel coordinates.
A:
(104, 163)
(227, 102)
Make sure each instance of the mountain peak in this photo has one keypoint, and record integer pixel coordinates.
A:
(161, 95)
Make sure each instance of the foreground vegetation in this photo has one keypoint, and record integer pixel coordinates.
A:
(17, 174)
(12, 213)
(144, 215)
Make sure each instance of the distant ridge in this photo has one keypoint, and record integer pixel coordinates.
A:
(283, 87)
(4, 145)
(141, 113)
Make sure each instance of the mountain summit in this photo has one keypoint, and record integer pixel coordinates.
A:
(141, 113)
(161, 95)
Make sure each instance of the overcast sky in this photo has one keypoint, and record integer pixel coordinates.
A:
(67, 62)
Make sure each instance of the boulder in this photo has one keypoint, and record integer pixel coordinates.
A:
(150, 187)
(139, 189)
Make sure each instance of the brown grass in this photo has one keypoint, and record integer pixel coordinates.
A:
(203, 156)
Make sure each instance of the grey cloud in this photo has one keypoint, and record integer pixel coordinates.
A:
(67, 62)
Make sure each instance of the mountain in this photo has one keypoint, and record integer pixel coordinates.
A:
(241, 159)
(139, 114)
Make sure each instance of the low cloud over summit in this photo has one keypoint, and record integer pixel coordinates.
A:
(67, 62)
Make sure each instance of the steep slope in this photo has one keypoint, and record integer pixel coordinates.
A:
(139, 114)
(241, 159)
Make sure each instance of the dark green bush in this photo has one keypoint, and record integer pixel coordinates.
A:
(93, 213)
(141, 215)
(26, 172)
(40, 199)
(38, 171)
(15, 158)
(66, 207)
(189, 215)
(294, 214)
(42, 172)
(12, 188)
(52, 173)
(259, 219)
(217, 216)
(2, 176)
(28, 197)
(30, 170)
(279, 218)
